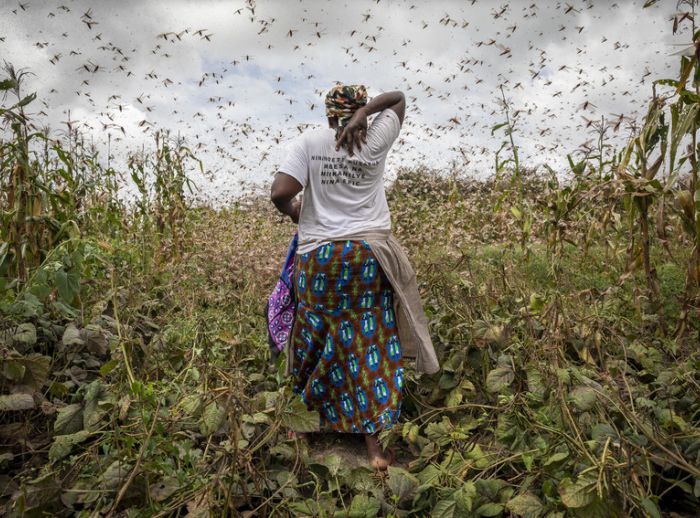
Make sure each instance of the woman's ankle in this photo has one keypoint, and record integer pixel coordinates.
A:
(372, 442)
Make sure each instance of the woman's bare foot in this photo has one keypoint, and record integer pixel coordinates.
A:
(377, 458)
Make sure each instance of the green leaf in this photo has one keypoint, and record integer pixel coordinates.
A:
(16, 402)
(63, 444)
(401, 483)
(333, 463)
(598, 508)
(212, 419)
(362, 506)
(670, 419)
(444, 509)
(13, 370)
(29, 305)
(69, 419)
(536, 303)
(25, 334)
(499, 379)
(439, 432)
(92, 413)
(477, 456)
(454, 398)
(64, 309)
(465, 496)
(674, 109)
(447, 381)
(576, 494)
(191, 404)
(535, 383)
(490, 509)
(651, 508)
(680, 127)
(410, 432)
(526, 505)
(583, 397)
(108, 367)
(429, 475)
(256, 418)
(467, 385)
(497, 127)
(561, 455)
(68, 285)
(26, 100)
(283, 450)
(602, 431)
(299, 419)
(563, 376)
(308, 507)
(164, 488)
(7, 84)
(114, 476)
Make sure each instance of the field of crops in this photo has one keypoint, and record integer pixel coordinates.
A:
(136, 379)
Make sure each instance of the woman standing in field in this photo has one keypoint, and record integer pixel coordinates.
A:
(358, 314)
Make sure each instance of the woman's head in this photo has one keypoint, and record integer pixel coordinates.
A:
(342, 101)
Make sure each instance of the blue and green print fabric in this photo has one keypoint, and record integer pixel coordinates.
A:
(347, 363)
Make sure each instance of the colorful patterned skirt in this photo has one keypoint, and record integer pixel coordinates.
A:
(347, 355)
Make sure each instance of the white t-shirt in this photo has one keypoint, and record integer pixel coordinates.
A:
(342, 194)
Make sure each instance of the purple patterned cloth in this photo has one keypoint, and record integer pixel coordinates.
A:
(281, 305)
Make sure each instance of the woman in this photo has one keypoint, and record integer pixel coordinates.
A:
(358, 310)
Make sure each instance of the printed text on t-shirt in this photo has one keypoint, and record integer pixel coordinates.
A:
(336, 170)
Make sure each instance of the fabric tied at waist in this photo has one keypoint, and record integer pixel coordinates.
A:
(414, 335)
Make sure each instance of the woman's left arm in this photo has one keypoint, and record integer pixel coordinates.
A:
(284, 189)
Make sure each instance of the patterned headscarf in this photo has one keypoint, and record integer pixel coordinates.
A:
(342, 101)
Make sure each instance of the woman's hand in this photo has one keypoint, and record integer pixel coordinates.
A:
(295, 210)
(354, 132)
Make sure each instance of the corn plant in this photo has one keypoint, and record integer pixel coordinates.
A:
(638, 173)
(170, 174)
(23, 231)
(641, 187)
(519, 209)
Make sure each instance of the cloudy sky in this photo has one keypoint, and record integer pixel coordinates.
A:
(239, 78)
